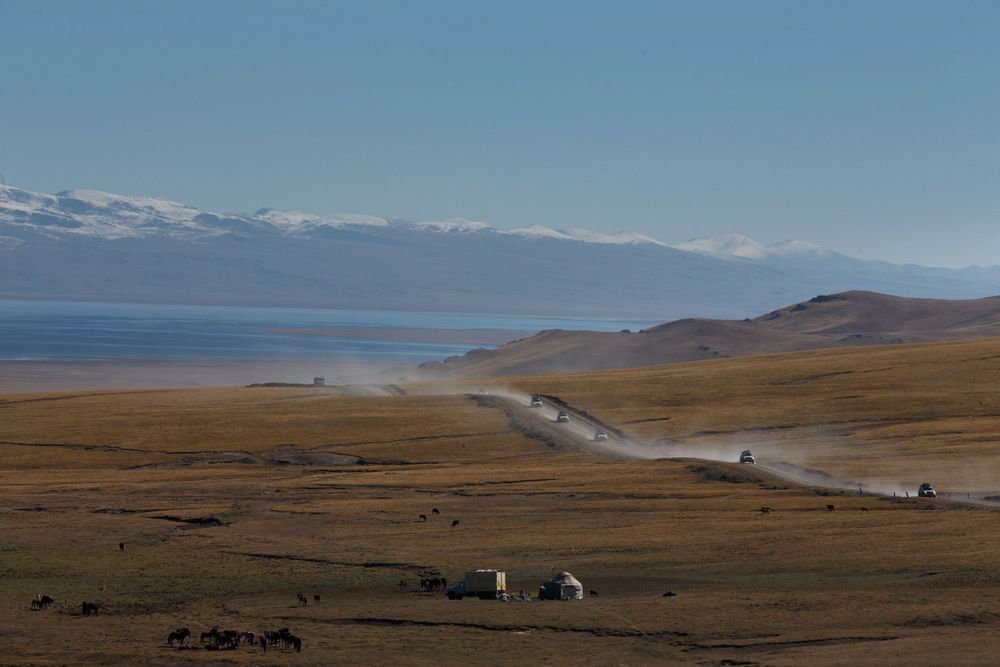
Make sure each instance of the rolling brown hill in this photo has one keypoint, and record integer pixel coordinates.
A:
(835, 320)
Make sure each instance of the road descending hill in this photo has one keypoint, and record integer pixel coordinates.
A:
(835, 320)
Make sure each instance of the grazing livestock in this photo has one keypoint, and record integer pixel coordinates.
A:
(402, 584)
(121, 546)
(454, 523)
(228, 640)
(303, 600)
(429, 585)
(315, 599)
(765, 510)
(90, 608)
(423, 517)
(178, 635)
(283, 637)
(223, 640)
(435, 510)
(864, 509)
(830, 508)
(42, 602)
(594, 594)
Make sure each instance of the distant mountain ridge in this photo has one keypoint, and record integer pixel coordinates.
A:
(93, 245)
(111, 216)
(837, 320)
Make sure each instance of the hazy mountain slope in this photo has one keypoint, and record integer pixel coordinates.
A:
(850, 318)
(867, 312)
(86, 244)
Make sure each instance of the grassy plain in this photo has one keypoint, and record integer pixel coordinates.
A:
(321, 494)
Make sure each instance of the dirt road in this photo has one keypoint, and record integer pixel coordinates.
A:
(578, 434)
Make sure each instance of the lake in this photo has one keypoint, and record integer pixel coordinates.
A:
(80, 331)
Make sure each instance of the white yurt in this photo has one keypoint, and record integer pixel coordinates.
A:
(563, 586)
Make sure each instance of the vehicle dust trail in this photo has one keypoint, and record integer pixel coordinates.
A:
(581, 429)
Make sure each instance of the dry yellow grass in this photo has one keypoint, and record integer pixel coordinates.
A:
(908, 581)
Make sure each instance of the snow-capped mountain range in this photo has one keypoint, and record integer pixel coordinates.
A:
(88, 244)
(111, 216)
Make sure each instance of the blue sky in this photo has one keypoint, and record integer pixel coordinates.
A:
(867, 127)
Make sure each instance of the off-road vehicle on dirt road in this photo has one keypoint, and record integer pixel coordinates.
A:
(562, 417)
(926, 491)
(747, 457)
(536, 401)
(600, 436)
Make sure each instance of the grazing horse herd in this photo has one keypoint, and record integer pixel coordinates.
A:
(41, 602)
(45, 601)
(429, 585)
(216, 639)
(230, 640)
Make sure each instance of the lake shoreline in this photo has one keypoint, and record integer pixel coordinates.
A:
(29, 376)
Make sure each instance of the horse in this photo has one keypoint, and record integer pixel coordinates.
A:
(435, 510)
(90, 608)
(402, 584)
(178, 635)
(454, 523)
(830, 508)
(303, 600)
(423, 517)
(594, 594)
